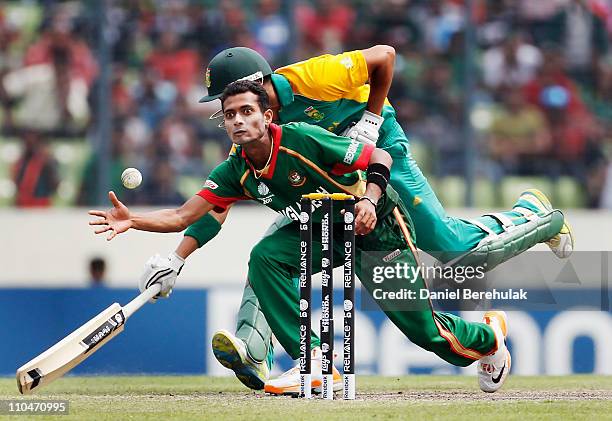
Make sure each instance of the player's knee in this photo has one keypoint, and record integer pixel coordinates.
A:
(259, 254)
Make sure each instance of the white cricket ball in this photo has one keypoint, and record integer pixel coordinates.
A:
(131, 178)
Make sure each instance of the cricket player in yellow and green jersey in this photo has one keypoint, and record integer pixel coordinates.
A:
(276, 165)
(346, 94)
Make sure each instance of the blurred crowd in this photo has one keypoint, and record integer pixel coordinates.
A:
(541, 103)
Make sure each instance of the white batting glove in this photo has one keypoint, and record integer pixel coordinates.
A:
(366, 129)
(161, 270)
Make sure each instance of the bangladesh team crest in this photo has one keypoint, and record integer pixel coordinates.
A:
(207, 77)
(296, 179)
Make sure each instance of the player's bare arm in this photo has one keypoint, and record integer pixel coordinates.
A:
(380, 60)
(365, 209)
(119, 219)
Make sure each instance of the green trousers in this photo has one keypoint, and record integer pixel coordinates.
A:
(274, 262)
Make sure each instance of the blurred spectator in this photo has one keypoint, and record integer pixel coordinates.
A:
(393, 23)
(97, 272)
(160, 188)
(234, 26)
(558, 97)
(121, 97)
(536, 16)
(324, 26)
(498, 24)
(35, 173)
(60, 34)
(519, 136)
(175, 63)
(552, 75)
(442, 135)
(9, 61)
(53, 85)
(154, 98)
(512, 64)
(271, 31)
(176, 137)
(442, 21)
(437, 95)
(88, 192)
(580, 31)
(158, 50)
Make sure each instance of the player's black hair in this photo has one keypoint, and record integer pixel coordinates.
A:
(242, 86)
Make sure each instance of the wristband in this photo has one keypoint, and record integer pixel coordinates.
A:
(379, 175)
(204, 229)
(369, 199)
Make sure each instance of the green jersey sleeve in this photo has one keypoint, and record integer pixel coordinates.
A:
(342, 154)
(222, 188)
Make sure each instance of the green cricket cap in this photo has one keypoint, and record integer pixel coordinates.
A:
(233, 64)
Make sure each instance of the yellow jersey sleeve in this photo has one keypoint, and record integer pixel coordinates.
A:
(328, 77)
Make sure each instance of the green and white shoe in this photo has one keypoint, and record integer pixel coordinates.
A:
(232, 353)
(561, 244)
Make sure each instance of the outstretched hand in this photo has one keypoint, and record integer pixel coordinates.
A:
(116, 220)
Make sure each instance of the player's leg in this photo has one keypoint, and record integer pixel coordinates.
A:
(273, 263)
(249, 352)
(448, 238)
(452, 338)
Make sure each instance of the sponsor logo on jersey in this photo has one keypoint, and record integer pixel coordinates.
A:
(347, 62)
(211, 184)
(313, 113)
(349, 156)
(296, 179)
(207, 77)
(264, 190)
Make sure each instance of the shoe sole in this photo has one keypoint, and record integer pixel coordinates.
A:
(295, 390)
(226, 352)
(504, 377)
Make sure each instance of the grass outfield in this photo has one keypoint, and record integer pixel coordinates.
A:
(380, 398)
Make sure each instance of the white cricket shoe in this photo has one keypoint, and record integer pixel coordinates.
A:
(288, 383)
(232, 353)
(494, 369)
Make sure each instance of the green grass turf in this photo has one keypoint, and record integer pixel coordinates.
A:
(380, 398)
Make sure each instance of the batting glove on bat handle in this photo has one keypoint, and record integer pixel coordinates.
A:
(161, 270)
(366, 129)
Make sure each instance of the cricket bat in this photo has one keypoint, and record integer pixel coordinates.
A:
(79, 345)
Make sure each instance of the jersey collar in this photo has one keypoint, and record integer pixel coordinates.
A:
(283, 89)
(276, 133)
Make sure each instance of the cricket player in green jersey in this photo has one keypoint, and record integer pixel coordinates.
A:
(346, 94)
(276, 165)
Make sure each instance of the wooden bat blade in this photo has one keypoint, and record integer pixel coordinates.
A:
(71, 351)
